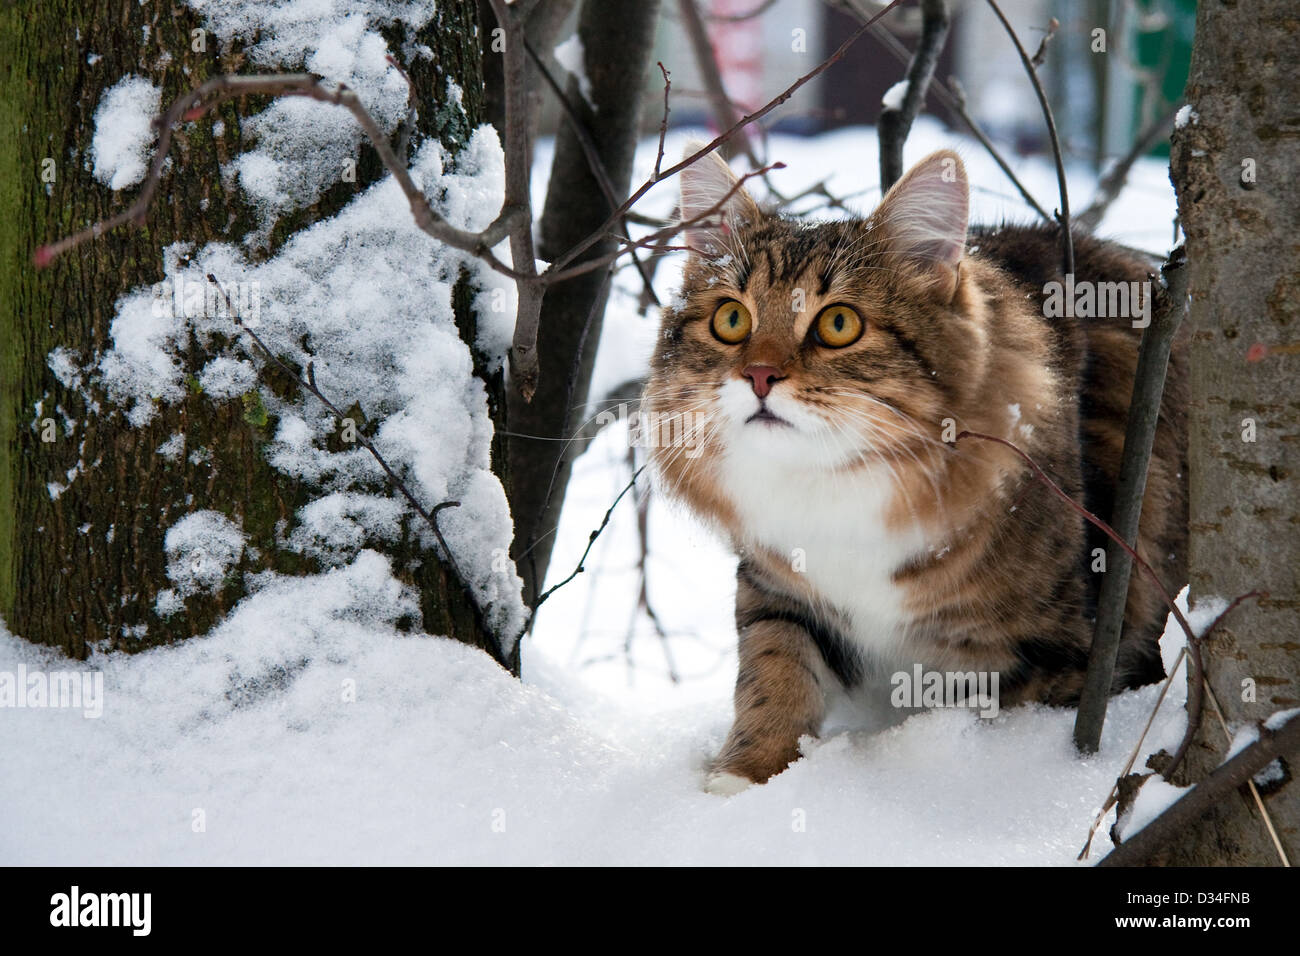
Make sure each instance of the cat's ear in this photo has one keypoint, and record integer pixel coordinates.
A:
(925, 215)
(709, 184)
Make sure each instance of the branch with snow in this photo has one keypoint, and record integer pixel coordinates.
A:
(904, 100)
(1279, 736)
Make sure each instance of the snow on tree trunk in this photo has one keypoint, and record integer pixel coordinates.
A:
(1236, 159)
(99, 514)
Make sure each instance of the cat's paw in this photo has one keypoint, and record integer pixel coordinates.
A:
(723, 784)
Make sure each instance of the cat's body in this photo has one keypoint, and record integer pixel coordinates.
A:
(868, 542)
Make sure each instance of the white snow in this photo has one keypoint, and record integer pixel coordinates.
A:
(303, 146)
(310, 727)
(306, 729)
(202, 548)
(124, 132)
(894, 96)
(1185, 115)
(571, 56)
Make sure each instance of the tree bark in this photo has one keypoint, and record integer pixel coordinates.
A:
(617, 37)
(85, 565)
(1235, 162)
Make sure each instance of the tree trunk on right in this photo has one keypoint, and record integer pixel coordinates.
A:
(1235, 162)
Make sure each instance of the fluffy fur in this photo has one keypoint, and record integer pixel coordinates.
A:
(867, 541)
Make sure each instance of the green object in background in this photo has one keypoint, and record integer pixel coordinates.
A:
(1167, 52)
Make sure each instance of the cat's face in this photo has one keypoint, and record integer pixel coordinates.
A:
(828, 344)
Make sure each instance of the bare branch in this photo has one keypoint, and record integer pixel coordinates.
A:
(1282, 741)
(594, 162)
(660, 175)
(1112, 183)
(959, 107)
(1143, 414)
(896, 121)
(197, 102)
(1113, 796)
(724, 113)
(663, 124)
(523, 349)
(587, 265)
(952, 94)
(1067, 241)
(591, 540)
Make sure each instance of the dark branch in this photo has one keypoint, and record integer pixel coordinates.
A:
(1067, 241)
(308, 382)
(1143, 414)
(1173, 823)
(896, 122)
(591, 540)
(660, 175)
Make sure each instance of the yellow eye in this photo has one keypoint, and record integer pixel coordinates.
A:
(838, 326)
(732, 322)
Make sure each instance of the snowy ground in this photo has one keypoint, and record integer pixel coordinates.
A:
(305, 729)
(296, 734)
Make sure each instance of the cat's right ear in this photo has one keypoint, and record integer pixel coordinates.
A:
(925, 216)
(713, 203)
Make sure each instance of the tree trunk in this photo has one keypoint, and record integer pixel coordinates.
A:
(85, 499)
(1235, 163)
(617, 38)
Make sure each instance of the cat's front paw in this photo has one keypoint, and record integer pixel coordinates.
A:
(724, 784)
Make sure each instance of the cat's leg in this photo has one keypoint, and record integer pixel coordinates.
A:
(779, 698)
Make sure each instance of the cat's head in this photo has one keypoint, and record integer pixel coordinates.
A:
(826, 344)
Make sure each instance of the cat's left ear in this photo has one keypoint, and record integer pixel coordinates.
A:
(925, 216)
(709, 186)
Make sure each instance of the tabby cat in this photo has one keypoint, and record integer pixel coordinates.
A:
(832, 365)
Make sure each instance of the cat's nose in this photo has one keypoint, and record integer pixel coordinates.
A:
(762, 377)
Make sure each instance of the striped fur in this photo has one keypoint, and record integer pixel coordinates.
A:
(867, 541)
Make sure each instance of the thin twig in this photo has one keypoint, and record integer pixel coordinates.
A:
(1202, 798)
(197, 102)
(308, 382)
(591, 540)
(953, 95)
(1067, 241)
(598, 170)
(1108, 189)
(661, 174)
(1169, 679)
(705, 217)
(959, 107)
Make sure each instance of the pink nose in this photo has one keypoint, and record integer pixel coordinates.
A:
(762, 377)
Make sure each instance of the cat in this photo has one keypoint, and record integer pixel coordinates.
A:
(832, 365)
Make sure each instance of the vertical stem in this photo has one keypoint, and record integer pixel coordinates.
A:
(1143, 414)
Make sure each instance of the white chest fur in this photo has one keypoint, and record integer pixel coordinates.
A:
(830, 525)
